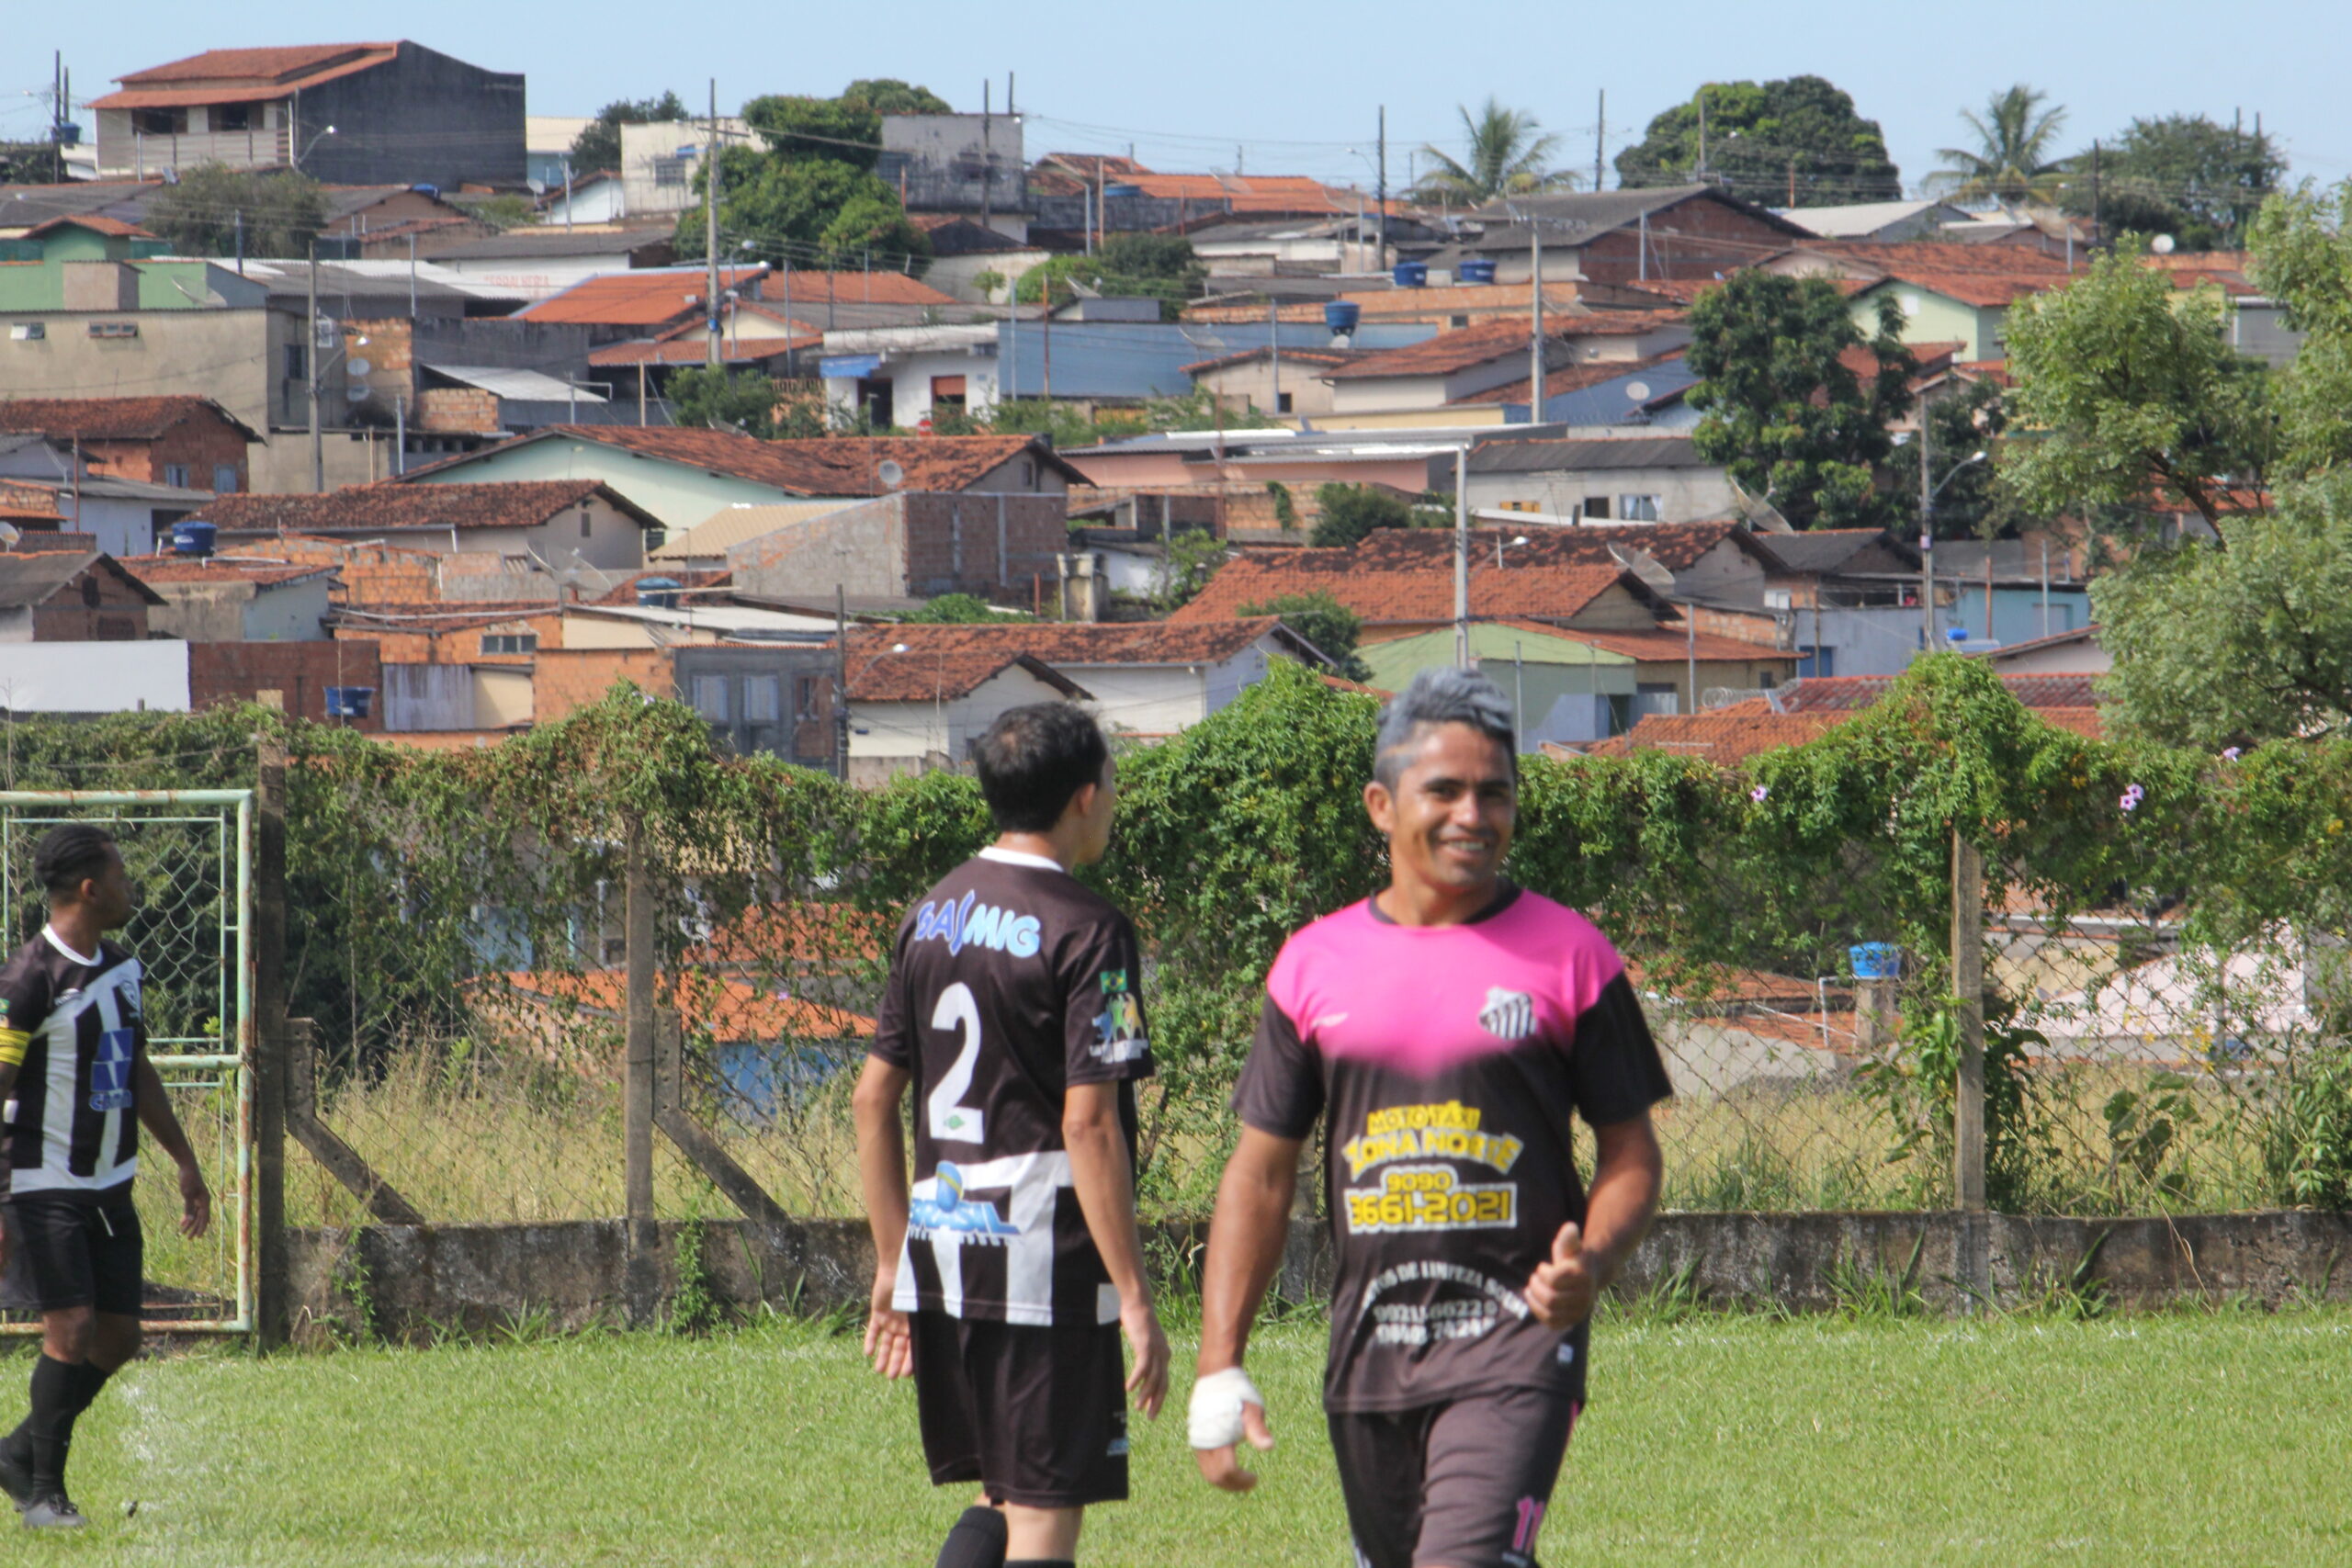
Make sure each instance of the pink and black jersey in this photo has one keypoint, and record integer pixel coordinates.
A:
(1451, 1059)
(1009, 982)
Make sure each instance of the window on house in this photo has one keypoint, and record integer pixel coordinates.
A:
(1457, 321)
(496, 643)
(669, 171)
(763, 699)
(1596, 506)
(1637, 509)
(1649, 699)
(113, 328)
(30, 332)
(296, 365)
(585, 527)
(175, 475)
(804, 697)
(234, 116)
(159, 122)
(1281, 403)
(224, 478)
(708, 694)
(1779, 599)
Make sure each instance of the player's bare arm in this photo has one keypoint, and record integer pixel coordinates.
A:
(1101, 1171)
(1628, 1169)
(1246, 1237)
(8, 1066)
(156, 1114)
(882, 1173)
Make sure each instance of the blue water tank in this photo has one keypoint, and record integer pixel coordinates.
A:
(1113, 192)
(657, 592)
(1340, 316)
(193, 538)
(1474, 269)
(1955, 633)
(1413, 275)
(349, 702)
(1876, 960)
(425, 189)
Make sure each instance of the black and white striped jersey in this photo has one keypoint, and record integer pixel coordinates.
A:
(75, 1028)
(1011, 981)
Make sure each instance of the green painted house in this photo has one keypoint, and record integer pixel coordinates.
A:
(1564, 690)
(1952, 307)
(88, 263)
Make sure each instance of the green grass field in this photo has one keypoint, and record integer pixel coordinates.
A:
(2176, 1439)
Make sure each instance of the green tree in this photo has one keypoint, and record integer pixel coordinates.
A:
(1142, 266)
(961, 609)
(1763, 138)
(2181, 174)
(1974, 504)
(2242, 640)
(796, 212)
(1191, 559)
(2301, 249)
(829, 128)
(1348, 513)
(1505, 152)
(598, 145)
(2014, 160)
(887, 94)
(2129, 393)
(1331, 626)
(1786, 417)
(280, 213)
(714, 398)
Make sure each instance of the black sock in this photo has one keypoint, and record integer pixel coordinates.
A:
(88, 1378)
(977, 1541)
(52, 1422)
(1042, 1563)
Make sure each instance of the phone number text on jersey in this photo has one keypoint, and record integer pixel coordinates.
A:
(1429, 1198)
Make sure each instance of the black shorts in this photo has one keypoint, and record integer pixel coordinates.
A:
(1038, 1417)
(76, 1248)
(1464, 1483)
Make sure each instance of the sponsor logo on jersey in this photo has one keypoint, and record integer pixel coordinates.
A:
(1424, 1197)
(1460, 1303)
(961, 923)
(110, 1071)
(1508, 1015)
(945, 1210)
(1449, 1130)
(1118, 1027)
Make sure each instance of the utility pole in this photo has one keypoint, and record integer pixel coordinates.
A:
(1274, 348)
(1536, 336)
(1702, 134)
(1601, 139)
(710, 226)
(1927, 538)
(1462, 557)
(2095, 223)
(841, 681)
(988, 158)
(1380, 190)
(310, 358)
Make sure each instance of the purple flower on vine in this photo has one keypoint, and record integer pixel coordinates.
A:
(2231, 753)
(1759, 792)
(2131, 798)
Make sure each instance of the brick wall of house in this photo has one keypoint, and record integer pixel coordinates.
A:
(199, 442)
(466, 409)
(299, 672)
(1698, 239)
(95, 606)
(562, 681)
(461, 644)
(988, 545)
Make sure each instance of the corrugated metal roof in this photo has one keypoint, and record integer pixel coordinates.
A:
(1585, 456)
(528, 386)
(713, 534)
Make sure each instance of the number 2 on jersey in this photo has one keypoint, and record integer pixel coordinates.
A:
(952, 1122)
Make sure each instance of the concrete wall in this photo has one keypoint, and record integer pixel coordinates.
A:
(1685, 494)
(420, 1279)
(224, 354)
(292, 677)
(420, 118)
(889, 738)
(917, 545)
(95, 677)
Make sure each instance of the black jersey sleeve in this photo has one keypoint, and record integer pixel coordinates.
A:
(894, 1038)
(1105, 1040)
(25, 988)
(1281, 1087)
(1614, 1069)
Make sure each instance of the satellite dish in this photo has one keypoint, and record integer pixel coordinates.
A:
(9, 534)
(361, 367)
(357, 394)
(891, 475)
(2163, 245)
(538, 187)
(1637, 390)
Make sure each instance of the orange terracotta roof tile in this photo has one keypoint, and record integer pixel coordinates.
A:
(1076, 643)
(96, 224)
(1718, 738)
(109, 419)
(826, 466)
(1906, 258)
(801, 289)
(169, 568)
(649, 296)
(1398, 592)
(244, 76)
(1447, 352)
(392, 506)
(693, 350)
(927, 674)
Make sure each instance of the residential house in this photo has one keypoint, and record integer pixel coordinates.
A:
(660, 160)
(122, 518)
(1235, 250)
(539, 263)
(1627, 479)
(644, 302)
(777, 701)
(684, 477)
(598, 198)
(849, 301)
(27, 206)
(547, 145)
(1078, 192)
(914, 544)
(1411, 459)
(235, 598)
(346, 114)
(1389, 304)
(1603, 394)
(72, 596)
(914, 712)
(294, 678)
(1279, 382)
(965, 253)
(187, 443)
(960, 166)
(1879, 222)
(1618, 236)
(1947, 292)
(2076, 652)
(85, 261)
(1455, 366)
(2009, 591)
(549, 525)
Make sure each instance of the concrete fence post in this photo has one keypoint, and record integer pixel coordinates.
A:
(1968, 1118)
(643, 1282)
(267, 1032)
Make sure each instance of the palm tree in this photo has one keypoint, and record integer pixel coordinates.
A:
(2011, 162)
(1507, 156)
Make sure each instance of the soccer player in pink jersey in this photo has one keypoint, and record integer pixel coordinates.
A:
(1450, 1026)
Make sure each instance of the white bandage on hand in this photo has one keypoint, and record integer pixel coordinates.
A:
(1217, 1399)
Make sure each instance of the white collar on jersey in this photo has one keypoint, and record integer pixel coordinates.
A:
(59, 942)
(1015, 857)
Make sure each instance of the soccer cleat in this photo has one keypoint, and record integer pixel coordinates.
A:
(16, 1479)
(55, 1511)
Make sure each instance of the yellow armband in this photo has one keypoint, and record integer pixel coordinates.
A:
(12, 1047)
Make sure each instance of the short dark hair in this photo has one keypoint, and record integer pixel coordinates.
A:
(1033, 760)
(1440, 694)
(70, 854)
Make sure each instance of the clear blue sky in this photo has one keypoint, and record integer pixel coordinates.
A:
(1295, 84)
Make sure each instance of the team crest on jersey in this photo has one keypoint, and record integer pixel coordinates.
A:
(110, 1071)
(1508, 1015)
(960, 923)
(1118, 1027)
(945, 1210)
